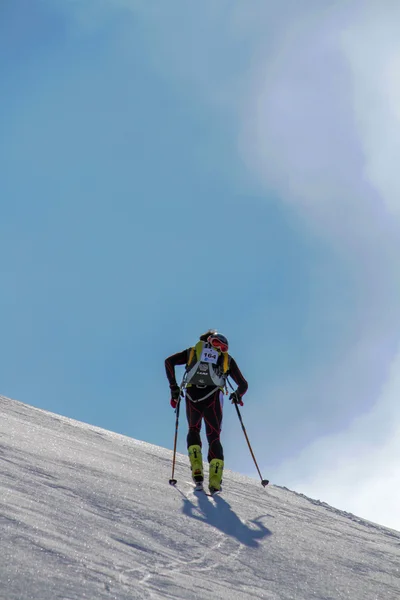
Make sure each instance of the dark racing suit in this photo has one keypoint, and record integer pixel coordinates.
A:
(204, 402)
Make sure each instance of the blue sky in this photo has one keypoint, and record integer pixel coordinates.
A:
(167, 170)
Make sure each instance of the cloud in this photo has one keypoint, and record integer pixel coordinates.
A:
(358, 469)
(372, 50)
(303, 133)
(322, 129)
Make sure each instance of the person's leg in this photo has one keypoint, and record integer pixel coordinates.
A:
(213, 422)
(194, 418)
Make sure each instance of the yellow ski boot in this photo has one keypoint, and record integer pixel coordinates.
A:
(196, 462)
(216, 470)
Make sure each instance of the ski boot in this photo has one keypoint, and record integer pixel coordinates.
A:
(196, 463)
(216, 470)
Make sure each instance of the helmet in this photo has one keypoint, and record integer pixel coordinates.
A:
(204, 337)
(218, 341)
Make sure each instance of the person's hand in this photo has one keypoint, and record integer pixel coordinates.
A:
(236, 398)
(175, 391)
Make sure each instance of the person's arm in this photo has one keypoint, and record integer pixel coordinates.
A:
(171, 362)
(238, 378)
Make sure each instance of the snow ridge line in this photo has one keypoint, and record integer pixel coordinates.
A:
(347, 515)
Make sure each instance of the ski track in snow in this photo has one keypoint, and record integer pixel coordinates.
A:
(89, 514)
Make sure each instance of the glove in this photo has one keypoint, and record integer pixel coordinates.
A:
(236, 398)
(175, 391)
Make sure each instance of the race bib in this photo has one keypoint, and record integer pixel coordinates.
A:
(209, 355)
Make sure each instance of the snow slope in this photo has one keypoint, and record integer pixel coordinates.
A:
(89, 514)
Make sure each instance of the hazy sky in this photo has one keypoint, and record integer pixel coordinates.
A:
(168, 167)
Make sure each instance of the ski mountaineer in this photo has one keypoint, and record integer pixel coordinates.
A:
(208, 365)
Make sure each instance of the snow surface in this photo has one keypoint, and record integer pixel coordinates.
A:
(88, 514)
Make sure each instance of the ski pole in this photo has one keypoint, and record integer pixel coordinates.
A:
(264, 482)
(173, 481)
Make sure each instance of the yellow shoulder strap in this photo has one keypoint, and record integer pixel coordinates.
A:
(191, 355)
(199, 349)
(226, 362)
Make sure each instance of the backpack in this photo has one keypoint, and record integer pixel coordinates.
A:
(195, 356)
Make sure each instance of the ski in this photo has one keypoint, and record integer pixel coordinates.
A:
(199, 487)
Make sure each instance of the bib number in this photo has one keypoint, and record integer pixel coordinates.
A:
(209, 355)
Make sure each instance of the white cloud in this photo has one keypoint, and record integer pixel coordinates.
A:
(302, 125)
(358, 469)
(372, 51)
(322, 128)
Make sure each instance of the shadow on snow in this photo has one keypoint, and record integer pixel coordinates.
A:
(219, 514)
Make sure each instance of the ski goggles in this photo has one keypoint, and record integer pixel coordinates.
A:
(219, 342)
